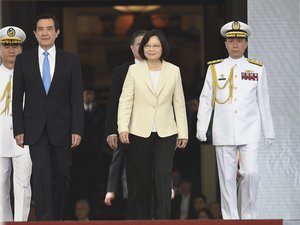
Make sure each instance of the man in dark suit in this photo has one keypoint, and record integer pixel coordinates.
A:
(88, 171)
(119, 74)
(182, 206)
(52, 118)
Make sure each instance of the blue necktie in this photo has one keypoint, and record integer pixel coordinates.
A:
(46, 72)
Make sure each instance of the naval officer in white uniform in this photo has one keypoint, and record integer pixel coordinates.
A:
(236, 90)
(13, 159)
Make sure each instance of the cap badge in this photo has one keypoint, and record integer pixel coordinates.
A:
(236, 25)
(11, 32)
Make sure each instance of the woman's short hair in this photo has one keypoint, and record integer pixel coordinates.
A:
(163, 40)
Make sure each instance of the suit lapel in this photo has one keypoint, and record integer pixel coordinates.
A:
(36, 66)
(59, 63)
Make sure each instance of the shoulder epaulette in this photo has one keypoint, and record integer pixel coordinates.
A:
(259, 63)
(215, 61)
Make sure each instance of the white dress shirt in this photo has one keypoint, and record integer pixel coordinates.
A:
(51, 57)
(184, 206)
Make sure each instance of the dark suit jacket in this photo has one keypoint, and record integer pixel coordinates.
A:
(60, 112)
(117, 164)
(118, 77)
(175, 208)
(94, 126)
(115, 172)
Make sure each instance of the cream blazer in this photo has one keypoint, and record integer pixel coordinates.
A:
(140, 106)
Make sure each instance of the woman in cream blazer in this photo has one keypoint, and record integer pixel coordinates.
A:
(152, 119)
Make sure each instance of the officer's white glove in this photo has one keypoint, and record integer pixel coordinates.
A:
(201, 135)
(268, 142)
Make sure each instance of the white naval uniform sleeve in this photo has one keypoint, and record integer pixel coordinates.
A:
(264, 106)
(205, 108)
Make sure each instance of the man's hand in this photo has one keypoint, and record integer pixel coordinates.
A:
(201, 136)
(172, 193)
(20, 140)
(76, 139)
(124, 137)
(181, 143)
(112, 141)
(109, 197)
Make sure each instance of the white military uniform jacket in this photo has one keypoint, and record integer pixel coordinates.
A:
(8, 146)
(238, 121)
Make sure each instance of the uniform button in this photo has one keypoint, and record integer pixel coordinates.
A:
(235, 111)
(235, 88)
(235, 76)
(235, 99)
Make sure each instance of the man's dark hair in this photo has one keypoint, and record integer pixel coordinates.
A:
(163, 40)
(137, 34)
(47, 16)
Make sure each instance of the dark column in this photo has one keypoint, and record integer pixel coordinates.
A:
(20, 14)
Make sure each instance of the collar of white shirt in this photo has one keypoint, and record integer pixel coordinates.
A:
(51, 51)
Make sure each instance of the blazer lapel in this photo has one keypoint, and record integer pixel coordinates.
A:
(146, 75)
(163, 78)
